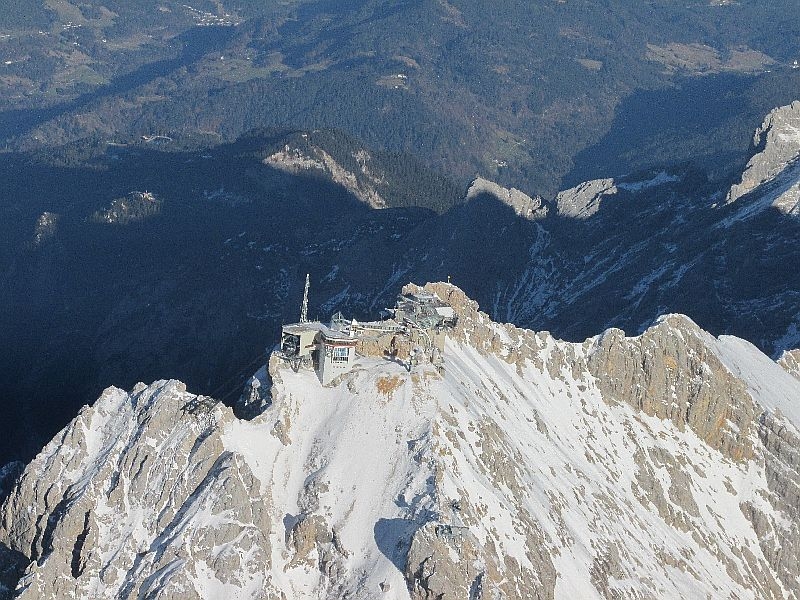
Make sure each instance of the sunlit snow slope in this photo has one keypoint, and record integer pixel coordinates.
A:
(662, 466)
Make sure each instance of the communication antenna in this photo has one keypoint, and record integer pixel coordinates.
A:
(304, 308)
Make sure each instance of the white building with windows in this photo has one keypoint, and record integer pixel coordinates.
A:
(331, 352)
(335, 355)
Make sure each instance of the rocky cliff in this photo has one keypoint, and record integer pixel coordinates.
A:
(774, 166)
(664, 465)
(523, 205)
(363, 185)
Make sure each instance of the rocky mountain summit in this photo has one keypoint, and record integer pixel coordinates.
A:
(220, 260)
(663, 465)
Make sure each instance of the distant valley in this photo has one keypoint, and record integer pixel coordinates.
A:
(536, 95)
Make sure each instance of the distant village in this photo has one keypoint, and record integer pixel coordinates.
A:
(415, 334)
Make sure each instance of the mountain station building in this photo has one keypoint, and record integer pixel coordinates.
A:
(416, 333)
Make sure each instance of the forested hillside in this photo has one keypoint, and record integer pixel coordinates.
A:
(522, 92)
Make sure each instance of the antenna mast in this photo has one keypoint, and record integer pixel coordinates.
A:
(304, 308)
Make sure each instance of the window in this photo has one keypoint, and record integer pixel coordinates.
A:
(290, 344)
(341, 354)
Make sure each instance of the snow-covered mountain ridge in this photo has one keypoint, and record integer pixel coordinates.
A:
(665, 465)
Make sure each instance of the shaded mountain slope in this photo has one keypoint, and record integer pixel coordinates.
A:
(212, 246)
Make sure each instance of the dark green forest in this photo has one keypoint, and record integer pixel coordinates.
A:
(526, 93)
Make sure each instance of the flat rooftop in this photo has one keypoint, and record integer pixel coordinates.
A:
(331, 334)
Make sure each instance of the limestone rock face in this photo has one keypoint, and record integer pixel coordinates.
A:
(661, 465)
(790, 360)
(363, 184)
(775, 163)
(780, 538)
(522, 204)
(584, 200)
(449, 562)
(670, 372)
(136, 485)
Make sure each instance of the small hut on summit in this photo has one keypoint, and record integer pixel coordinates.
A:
(298, 340)
(330, 351)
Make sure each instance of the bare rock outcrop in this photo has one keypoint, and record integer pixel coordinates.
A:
(790, 361)
(448, 563)
(363, 185)
(671, 373)
(522, 204)
(125, 483)
(780, 538)
(585, 199)
(777, 144)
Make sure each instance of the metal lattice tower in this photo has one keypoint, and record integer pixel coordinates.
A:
(304, 308)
